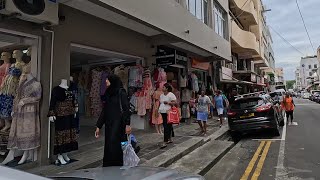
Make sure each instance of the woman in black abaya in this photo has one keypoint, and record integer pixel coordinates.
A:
(116, 120)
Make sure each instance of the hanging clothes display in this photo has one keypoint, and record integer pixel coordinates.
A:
(62, 106)
(186, 95)
(74, 89)
(4, 68)
(195, 82)
(141, 101)
(135, 76)
(95, 96)
(156, 116)
(25, 126)
(183, 81)
(148, 88)
(185, 111)
(82, 92)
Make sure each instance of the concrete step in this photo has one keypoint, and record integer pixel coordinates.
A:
(203, 159)
(175, 153)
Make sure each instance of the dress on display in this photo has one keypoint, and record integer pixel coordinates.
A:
(96, 104)
(62, 106)
(4, 71)
(147, 85)
(141, 101)
(25, 126)
(8, 89)
(195, 83)
(74, 89)
(156, 116)
(122, 72)
(135, 76)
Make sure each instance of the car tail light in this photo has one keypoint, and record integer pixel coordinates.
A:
(231, 113)
(264, 108)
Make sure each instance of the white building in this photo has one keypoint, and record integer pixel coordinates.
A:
(298, 79)
(308, 68)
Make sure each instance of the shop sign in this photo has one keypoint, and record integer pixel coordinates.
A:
(253, 78)
(226, 73)
(200, 65)
(166, 56)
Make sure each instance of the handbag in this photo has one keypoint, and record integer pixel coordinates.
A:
(130, 158)
(173, 116)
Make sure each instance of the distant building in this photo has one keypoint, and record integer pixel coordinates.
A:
(308, 71)
(298, 80)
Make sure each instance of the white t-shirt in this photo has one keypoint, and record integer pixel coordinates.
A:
(203, 103)
(166, 98)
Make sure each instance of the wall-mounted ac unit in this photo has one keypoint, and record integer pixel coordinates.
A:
(38, 11)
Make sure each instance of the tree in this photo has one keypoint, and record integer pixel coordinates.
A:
(290, 84)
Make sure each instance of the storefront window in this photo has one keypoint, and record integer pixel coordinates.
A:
(18, 65)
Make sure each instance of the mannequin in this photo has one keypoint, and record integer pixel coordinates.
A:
(8, 89)
(62, 111)
(5, 57)
(25, 136)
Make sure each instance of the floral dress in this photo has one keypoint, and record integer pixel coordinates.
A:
(95, 98)
(156, 116)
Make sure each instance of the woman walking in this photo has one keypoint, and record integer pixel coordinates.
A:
(115, 116)
(288, 106)
(167, 100)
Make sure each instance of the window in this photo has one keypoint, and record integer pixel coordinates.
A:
(309, 66)
(310, 73)
(315, 66)
(219, 20)
(199, 8)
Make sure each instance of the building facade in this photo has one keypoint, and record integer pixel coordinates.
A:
(308, 69)
(100, 33)
(251, 48)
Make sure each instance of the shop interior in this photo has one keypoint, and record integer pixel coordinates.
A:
(17, 51)
(89, 68)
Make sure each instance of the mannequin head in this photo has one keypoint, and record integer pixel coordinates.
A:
(5, 56)
(17, 54)
(29, 51)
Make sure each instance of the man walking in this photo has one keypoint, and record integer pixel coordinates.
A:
(203, 108)
(220, 102)
(288, 105)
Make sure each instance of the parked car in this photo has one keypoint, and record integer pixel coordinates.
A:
(312, 94)
(317, 98)
(306, 95)
(135, 173)
(254, 114)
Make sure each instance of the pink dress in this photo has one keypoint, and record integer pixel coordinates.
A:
(141, 101)
(4, 71)
(156, 116)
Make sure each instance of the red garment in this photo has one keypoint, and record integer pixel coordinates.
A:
(288, 104)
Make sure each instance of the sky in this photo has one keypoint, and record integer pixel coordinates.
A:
(284, 17)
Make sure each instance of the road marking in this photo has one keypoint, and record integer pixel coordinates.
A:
(253, 161)
(267, 139)
(280, 170)
(260, 164)
(294, 124)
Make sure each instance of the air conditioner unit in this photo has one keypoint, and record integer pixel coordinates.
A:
(38, 11)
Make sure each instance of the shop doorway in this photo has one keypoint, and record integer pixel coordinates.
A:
(89, 67)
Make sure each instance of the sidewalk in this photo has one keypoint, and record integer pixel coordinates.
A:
(185, 141)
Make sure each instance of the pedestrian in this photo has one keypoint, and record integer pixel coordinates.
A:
(115, 116)
(203, 108)
(288, 105)
(220, 102)
(167, 100)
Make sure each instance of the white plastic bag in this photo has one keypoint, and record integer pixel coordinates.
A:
(130, 158)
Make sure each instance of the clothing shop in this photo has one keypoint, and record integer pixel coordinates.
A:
(20, 94)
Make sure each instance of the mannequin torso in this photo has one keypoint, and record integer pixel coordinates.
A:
(64, 84)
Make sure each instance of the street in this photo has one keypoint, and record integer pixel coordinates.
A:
(293, 155)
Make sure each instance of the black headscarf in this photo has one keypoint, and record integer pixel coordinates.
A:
(115, 85)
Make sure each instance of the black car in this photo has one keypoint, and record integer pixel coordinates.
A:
(254, 114)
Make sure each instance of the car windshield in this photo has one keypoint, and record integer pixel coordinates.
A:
(247, 103)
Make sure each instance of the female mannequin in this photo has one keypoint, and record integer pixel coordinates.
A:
(62, 111)
(25, 128)
(8, 89)
(4, 68)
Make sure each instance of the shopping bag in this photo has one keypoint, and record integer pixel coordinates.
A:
(173, 116)
(130, 158)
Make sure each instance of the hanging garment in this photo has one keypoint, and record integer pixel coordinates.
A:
(74, 89)
(156, 116)
(135, 76)
(186, 95)
(25, 126)
(183, 81)
(122, 72)
(162, 75)
(195, 83)
(95, 98)
(62, 106)
(134, 102)
(185, 111)
(4, 68)
(148, 88)
(177, 94)
(141, 100)
(8, 89)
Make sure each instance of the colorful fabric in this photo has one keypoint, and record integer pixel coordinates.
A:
(95, 97)
(135, 76)
(6, 104)
(156, 116)
(11, 81)
(26, 135)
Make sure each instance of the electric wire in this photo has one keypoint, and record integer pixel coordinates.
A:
(286, 40)
(304, 24)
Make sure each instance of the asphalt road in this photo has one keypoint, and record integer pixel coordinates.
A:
(292, 156)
